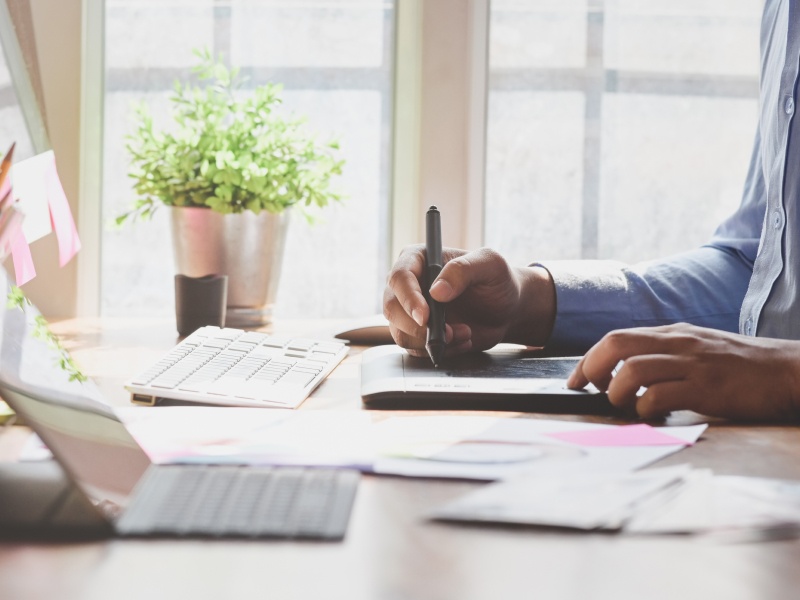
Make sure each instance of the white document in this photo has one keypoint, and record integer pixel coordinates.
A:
(671, 500)
(717, 504)
(459, 446)
(206, 434)
(29, 184)
(491, 448)
(588, 501)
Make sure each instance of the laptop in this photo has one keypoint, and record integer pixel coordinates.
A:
(109, 486)
(507, 378)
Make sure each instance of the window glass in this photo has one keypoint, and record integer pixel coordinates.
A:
(150, 34)
(683, 36)
(535, 177)
(324, 33)
(673, 169)
(335, 60)
(542, 34)
(636, 151)
(13, 128)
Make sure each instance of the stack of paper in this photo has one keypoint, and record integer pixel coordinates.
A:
(671, 500)
(10, 217)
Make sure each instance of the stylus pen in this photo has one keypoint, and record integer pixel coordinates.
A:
(434, 343)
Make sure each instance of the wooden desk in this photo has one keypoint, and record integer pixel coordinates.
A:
(391, 551)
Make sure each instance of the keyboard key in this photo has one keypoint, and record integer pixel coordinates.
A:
(228, 334)
(253, 337)
(215, 343)
(301, 344)
(329, 347)
(274, 341)
(241, 347)
(314, 365)
(294, 379)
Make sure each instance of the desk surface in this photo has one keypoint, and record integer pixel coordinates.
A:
(390, 551)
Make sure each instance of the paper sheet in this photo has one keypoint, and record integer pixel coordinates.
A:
(671, 500)
(251, 435)
(563, 500)
(29, 181)
(639, 434)
(490, 448)
(462, 447)
(40, 197)
(714, 504)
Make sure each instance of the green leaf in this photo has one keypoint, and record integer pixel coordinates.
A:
(229, 151)
(17, 299)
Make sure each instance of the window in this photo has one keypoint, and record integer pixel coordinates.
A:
(617, 128)
(335, 61)
(614, 128)
(21, 121)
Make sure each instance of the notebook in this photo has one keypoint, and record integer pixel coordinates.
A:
(505, 378)
(116, 489)
(238, 368)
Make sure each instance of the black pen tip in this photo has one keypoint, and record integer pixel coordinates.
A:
(436, 352)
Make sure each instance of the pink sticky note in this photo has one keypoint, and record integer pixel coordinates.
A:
(624, 435)
(24, 270)
(60, 214)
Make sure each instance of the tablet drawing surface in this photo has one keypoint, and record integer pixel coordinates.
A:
(500, 379)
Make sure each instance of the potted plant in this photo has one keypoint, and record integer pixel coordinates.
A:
(229, 169)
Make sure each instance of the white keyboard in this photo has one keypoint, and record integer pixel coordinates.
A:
(238, 368)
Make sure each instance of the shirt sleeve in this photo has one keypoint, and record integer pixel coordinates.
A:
(704, 286)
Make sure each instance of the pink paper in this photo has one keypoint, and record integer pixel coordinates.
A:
(24, 270)
(60, 214)
(624, 435)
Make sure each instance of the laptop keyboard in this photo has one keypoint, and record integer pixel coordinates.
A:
(255, 502)
(233, 366)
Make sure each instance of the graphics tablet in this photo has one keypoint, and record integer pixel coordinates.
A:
(504, 378)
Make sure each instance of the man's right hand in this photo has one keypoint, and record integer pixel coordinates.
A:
(486, 301)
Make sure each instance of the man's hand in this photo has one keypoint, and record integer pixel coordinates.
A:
(486, 301)
(687, 367)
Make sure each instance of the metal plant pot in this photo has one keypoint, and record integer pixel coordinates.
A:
(246, 247)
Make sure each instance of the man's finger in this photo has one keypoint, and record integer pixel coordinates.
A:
(577, 380)
(598, 364)
(461, 332)
(461, 272)
(643, 372)
(404, 283)
(399, 318)
(662, 398)
(409, 342)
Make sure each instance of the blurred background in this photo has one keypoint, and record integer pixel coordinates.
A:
(543, 128)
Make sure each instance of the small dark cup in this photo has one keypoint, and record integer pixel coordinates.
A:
(200, 301)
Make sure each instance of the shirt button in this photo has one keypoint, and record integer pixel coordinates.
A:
(788, 106)
(777, 219)
(748, 326)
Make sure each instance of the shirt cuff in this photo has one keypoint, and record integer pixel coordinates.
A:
(591, 300)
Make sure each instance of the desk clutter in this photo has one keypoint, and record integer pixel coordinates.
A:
(481, 448)
(552, 473)
(668, 500)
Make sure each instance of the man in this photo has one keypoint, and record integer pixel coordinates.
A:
(671, 321)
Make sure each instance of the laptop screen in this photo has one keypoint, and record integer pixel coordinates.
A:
(79, 428)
